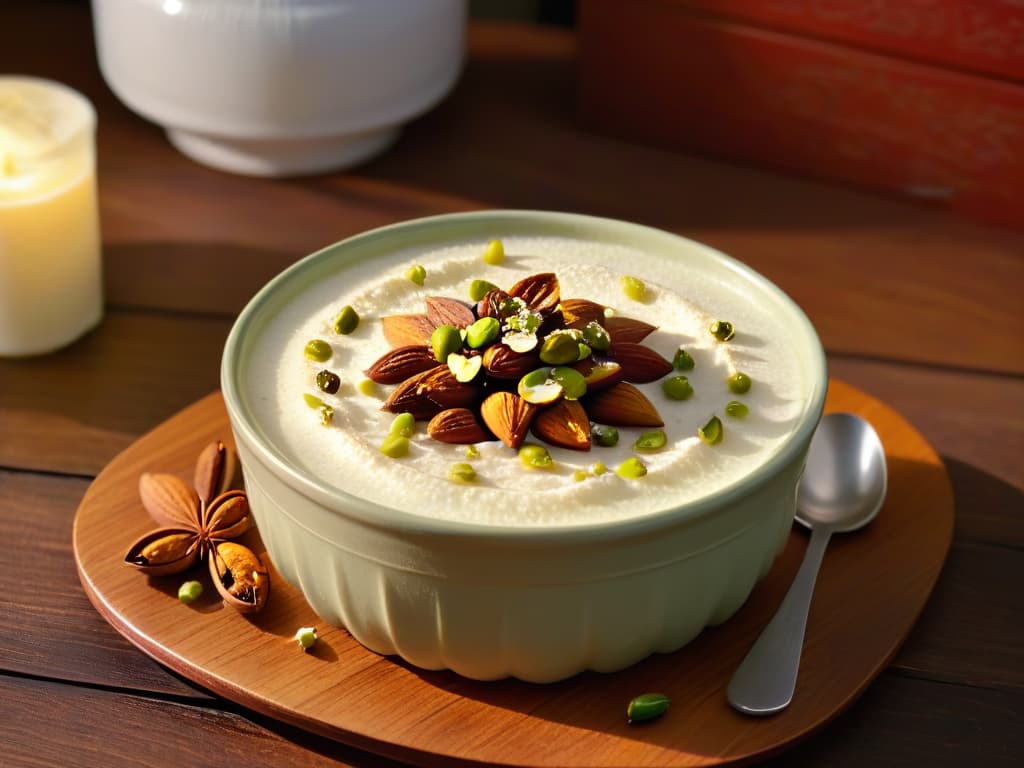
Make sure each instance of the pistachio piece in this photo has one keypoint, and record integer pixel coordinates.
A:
(318, 350)
(445, 340)
(559, 348)
(416, 273)
(482, 332)
(722, 330)
(736, 409)
(494, 253)
(647, 706)
(463, 368)
(739, 383)
(711, 432)
(346, 321)
(631, 469)
(535, 456)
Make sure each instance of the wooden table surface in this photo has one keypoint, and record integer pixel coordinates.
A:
(915, 307)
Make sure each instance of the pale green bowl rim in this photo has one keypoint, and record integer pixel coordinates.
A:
(489, 224)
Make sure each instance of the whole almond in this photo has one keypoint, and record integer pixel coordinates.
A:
(444, 311)
(628, 329)
(400, 363)
(508, 416)
(541, 292)
(640, 364)
(579, 312)
(501, 362)
(404, 330)
(427, 394)
(622, 405)
(565, 424)
(457, 425)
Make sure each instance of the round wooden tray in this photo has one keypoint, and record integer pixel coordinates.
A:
(872, 586)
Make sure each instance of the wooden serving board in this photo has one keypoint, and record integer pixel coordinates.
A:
(872, 586)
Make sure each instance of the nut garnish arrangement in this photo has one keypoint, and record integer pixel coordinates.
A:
(199, 523)
(508, 363)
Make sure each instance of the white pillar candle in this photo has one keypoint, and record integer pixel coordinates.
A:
(50, 275)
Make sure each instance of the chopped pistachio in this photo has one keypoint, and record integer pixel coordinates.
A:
(647, 706)
(472, 452)
(599, 468)
(462, 473)
(651, 441)
(736, 409)
(190, 591)
(677, 388)
(318, 350)
(306, 637)
(463, 368)
(483, 332)
(494, 253)
(722, 330)
(395, 446)
(711, 433)
(604, 435)
(559, 348)
(739, 383)
(480, 288)
(328, 382)
(346, 321)
(368, 387)
(632, 468)
(634, 288)
(444, 340)
(596, 336)
(683, 361)
(416, 273)
(579, 476)
(326, 415)
(535, 456)
(313, 401)
(403, 425)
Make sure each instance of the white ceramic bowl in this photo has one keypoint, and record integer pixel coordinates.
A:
(488, 602)
(280, 88)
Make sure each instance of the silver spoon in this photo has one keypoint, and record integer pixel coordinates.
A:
(842, 489)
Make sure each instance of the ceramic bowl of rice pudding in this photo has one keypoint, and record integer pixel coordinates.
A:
(527, 444)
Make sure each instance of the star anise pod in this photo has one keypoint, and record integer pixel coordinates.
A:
(197, 524)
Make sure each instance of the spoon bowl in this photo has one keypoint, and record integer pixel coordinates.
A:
(844, 481)
(842, 489)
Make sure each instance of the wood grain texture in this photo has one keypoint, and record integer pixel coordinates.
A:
(147, 731)
(979, 726)
(74, 410)
(48, 628)
(342, 690)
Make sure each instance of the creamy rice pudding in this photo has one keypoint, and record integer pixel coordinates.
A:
(680, 300)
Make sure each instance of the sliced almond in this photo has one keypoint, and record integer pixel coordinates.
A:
(541, 292)
(578, 312)
(427, 394)
(402, 362)
(640, 364)
(444, 311)
(622, 405)
(404, 330)
(628, 329)
(457, 425)
(564, 424)
(501, 362)
(508, 416)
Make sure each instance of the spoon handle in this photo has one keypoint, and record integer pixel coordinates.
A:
(765, 681)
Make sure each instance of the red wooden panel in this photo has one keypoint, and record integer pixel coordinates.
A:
(983, 36)
(664, 75)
